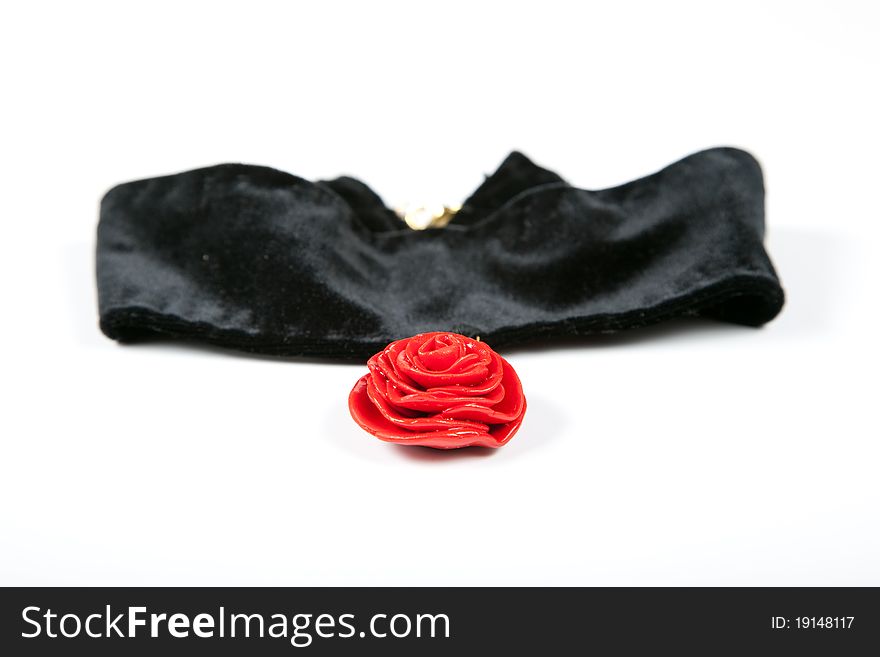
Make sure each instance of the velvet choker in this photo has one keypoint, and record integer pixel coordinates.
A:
(255, 259)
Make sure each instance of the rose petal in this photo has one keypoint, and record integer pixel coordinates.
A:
(474, 373)
(420, 423)
(492, 381)
(368, 417)
(436, 402)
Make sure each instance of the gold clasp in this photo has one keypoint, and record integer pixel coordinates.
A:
(427, 216)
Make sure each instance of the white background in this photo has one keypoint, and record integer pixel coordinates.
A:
(692, 453)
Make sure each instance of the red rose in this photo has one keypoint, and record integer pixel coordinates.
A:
(440, 390)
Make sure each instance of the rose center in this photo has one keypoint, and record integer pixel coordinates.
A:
(439, 353)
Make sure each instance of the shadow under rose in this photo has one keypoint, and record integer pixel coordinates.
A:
(430, 455)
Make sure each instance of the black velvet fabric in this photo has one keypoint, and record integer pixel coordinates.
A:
(255, 259)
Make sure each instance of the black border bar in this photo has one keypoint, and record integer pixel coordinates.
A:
(519, 620)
